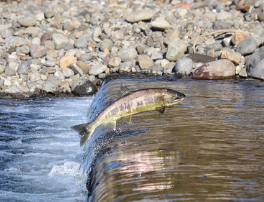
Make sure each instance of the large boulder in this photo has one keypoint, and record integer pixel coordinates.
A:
(219, 69)
(252, 61)
(258, 70)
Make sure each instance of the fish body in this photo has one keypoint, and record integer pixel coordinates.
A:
(132, 103)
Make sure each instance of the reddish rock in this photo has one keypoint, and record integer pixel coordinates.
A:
(65, 61)
(238, 37)
(220, 69)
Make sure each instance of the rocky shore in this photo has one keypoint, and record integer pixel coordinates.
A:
(67, 47)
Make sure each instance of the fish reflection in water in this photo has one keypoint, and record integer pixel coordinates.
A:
(139, 164)
(208, 148)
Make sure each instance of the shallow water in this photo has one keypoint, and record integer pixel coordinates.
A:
(40, 157)
(209, 147)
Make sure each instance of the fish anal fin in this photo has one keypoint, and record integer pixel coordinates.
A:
(161, 110)
(83, 131)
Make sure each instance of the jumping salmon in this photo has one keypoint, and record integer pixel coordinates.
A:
(132, 103)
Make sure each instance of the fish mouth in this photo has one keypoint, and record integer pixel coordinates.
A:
(179, 97)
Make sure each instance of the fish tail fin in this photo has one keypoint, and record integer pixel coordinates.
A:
(84, 132)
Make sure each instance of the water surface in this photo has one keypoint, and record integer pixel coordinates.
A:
(209, 147)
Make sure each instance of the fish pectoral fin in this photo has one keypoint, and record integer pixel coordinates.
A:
(83, 131)
(161, 110)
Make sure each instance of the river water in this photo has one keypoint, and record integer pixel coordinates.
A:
(209, 147)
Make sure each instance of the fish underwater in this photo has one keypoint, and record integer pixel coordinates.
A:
(131, 103)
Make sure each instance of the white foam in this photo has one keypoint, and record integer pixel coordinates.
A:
(42, 160)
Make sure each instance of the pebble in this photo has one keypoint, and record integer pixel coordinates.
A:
(81, 42)
(52, 84)
(160, 23)
(176, 49)
(2, 69)
(77, 70)
(231, 55)
(127, 53)
(183, 66)
(106, 44)
(68, 41)
(84, 67)
(27, 21)
(60, 40)
(23, 68)
(114, 62)
(38, 51)
(247, 46)
(140, 15)
(97, 69)
(145, 62)
(87, 88)
(66, 60)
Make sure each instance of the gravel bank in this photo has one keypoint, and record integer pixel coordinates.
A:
(68, 46)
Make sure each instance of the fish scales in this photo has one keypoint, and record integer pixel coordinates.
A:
(132, 103)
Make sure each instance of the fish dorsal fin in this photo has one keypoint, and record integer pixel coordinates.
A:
(161, 110)
(123, 91)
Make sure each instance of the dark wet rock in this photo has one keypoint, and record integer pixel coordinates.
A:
(220, 69)
(183, 66)
(38, 51)
(254, 59)
(247, 46)
(52, 84)
(87, 88)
